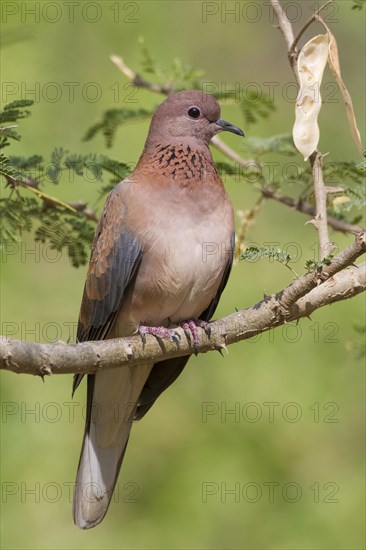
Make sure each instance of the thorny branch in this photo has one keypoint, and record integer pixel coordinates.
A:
(320, 220)
(321, 287)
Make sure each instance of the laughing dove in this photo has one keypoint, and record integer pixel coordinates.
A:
(161, 257)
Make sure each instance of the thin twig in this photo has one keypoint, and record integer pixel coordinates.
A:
(4, 128)
(137, 79)
(231, 154)
(320, 220)
(83, 208)
(306, 208)
(312, 18)
(49, 198)
(285, 27)
(322, 22)
(32, 185)
(284, 24)
(247, 219)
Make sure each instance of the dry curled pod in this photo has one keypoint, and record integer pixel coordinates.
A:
(310, 65)
(336, 70)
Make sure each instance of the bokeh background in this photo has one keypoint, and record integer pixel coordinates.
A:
(195, 476)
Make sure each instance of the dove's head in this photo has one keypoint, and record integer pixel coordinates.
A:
(188, 116)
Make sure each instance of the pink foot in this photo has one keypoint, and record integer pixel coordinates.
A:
(160, 332)
(190, 328)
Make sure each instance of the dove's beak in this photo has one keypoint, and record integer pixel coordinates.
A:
(227, 127)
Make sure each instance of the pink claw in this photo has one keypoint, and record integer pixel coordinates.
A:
(190, 328)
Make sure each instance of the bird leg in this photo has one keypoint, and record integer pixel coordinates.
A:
(190, 328)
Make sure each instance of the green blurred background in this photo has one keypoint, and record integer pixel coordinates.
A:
(182, 463)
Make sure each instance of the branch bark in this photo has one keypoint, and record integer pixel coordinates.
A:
(321, 287)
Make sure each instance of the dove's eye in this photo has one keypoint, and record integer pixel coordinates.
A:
(194, 112)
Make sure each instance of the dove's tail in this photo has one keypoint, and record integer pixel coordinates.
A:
(111, 403)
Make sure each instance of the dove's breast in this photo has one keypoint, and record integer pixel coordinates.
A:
(186, 249)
